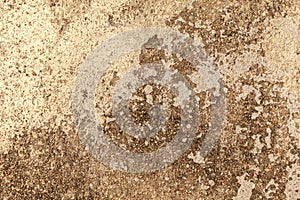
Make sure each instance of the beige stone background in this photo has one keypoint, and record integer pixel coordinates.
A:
(255, 45)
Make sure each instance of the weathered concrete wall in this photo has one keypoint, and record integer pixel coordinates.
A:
(255, 45)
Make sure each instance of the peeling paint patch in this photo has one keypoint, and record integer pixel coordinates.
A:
(293, 185)
(197, 158)
(245, 190)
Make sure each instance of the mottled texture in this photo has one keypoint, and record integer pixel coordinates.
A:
(254, 44)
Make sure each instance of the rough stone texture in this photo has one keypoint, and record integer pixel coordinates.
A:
(255, 45)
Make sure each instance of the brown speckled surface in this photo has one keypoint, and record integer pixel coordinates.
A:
(254, 44)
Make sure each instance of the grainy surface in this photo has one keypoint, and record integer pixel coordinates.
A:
(256, 47)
